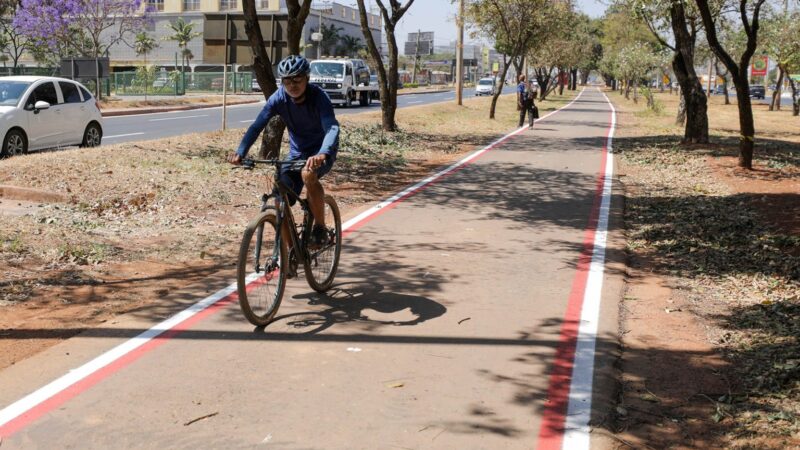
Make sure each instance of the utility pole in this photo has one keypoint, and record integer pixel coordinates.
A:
(460, 53)
(225, 73)
(416, 59)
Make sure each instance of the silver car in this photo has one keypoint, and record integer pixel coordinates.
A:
(485, 86)
(45, 112)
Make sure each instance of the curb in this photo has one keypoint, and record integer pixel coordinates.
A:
(425, 92)
(132, 111)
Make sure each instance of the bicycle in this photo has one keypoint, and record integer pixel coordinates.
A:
(263, 265)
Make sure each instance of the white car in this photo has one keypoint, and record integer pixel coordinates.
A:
(485, 86)
(46, 112)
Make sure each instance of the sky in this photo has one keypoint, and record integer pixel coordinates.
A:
(438, 16)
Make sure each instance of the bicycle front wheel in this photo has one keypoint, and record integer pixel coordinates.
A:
(322, 263)
(261, 270)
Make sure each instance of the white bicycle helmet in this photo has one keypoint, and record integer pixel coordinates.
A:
(293, 65)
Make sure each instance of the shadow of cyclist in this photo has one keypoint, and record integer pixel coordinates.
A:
(365, 303)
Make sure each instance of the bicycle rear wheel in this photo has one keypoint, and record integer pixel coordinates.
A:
(261, 270)
(322, 263)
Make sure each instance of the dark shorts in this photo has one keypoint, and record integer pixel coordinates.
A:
(294, 180)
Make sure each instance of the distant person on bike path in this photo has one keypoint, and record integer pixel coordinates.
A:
(533, 111)
(313, 135)
(522, 100)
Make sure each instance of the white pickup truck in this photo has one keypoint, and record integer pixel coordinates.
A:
(345, 80)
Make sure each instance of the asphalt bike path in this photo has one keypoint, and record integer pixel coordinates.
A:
(464, 315)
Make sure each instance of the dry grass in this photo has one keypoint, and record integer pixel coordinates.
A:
(721, 235)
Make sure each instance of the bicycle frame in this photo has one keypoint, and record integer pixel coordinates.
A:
(283, 212)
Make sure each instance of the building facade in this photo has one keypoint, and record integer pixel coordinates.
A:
(345, 18)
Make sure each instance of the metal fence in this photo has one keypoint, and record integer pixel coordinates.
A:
(40, 71)
(177, 83)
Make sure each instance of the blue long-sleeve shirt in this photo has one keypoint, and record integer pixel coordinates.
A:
(313, 128)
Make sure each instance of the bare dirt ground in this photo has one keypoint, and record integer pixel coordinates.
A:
(88, 234)
(711, 317)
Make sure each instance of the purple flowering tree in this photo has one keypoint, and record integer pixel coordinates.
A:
(82, 27)
(14, 42)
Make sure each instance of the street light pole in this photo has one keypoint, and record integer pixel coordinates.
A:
(460, 54)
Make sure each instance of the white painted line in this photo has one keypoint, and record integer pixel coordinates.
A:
(247, 121)
(411, 103)
(579, 409)
(177, 118)
(18, 409)
(121, 135)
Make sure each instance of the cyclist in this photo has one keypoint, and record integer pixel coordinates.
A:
(313, 136)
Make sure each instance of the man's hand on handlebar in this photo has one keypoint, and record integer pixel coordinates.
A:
(315, 162)
(235, 159)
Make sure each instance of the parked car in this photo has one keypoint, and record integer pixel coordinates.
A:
(719, 89)
(254, 86)
(757, 91)
(485, 86)
(45, 112)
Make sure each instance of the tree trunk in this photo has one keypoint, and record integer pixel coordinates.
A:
(543, 78)
(746, 125)
(636, 92)
(795, 97)
(561, 82)
(694, 101)
(500, 90)
(680, 118)
(776, 95)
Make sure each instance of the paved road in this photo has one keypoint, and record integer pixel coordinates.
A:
(160, 125)
(441, 331)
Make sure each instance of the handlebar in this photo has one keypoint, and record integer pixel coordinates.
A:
(295, 165)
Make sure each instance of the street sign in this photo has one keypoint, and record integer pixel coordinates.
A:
(759, 66)
(84, 67)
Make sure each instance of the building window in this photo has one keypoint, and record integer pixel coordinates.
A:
(344, 12)
(226, 5)
(262, 4)
(354, 14)
(372, 20)
(156, 5)
(191, 5)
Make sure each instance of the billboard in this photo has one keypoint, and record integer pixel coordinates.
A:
(795, 77)
(425, 43)
(759, 66)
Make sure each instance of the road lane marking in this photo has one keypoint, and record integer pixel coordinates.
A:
(568, 405)
(247, 121)
(28, 409)
(122, 135)
(411, 103)
(177, 118)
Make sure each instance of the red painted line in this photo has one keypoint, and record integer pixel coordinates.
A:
(551, 431)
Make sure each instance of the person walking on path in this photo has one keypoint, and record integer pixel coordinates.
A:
(522, 100)
(533, 111)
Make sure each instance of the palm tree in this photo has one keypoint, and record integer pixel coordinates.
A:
(330, 36)
(183, 34)
(351, 45)
(143, 45)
